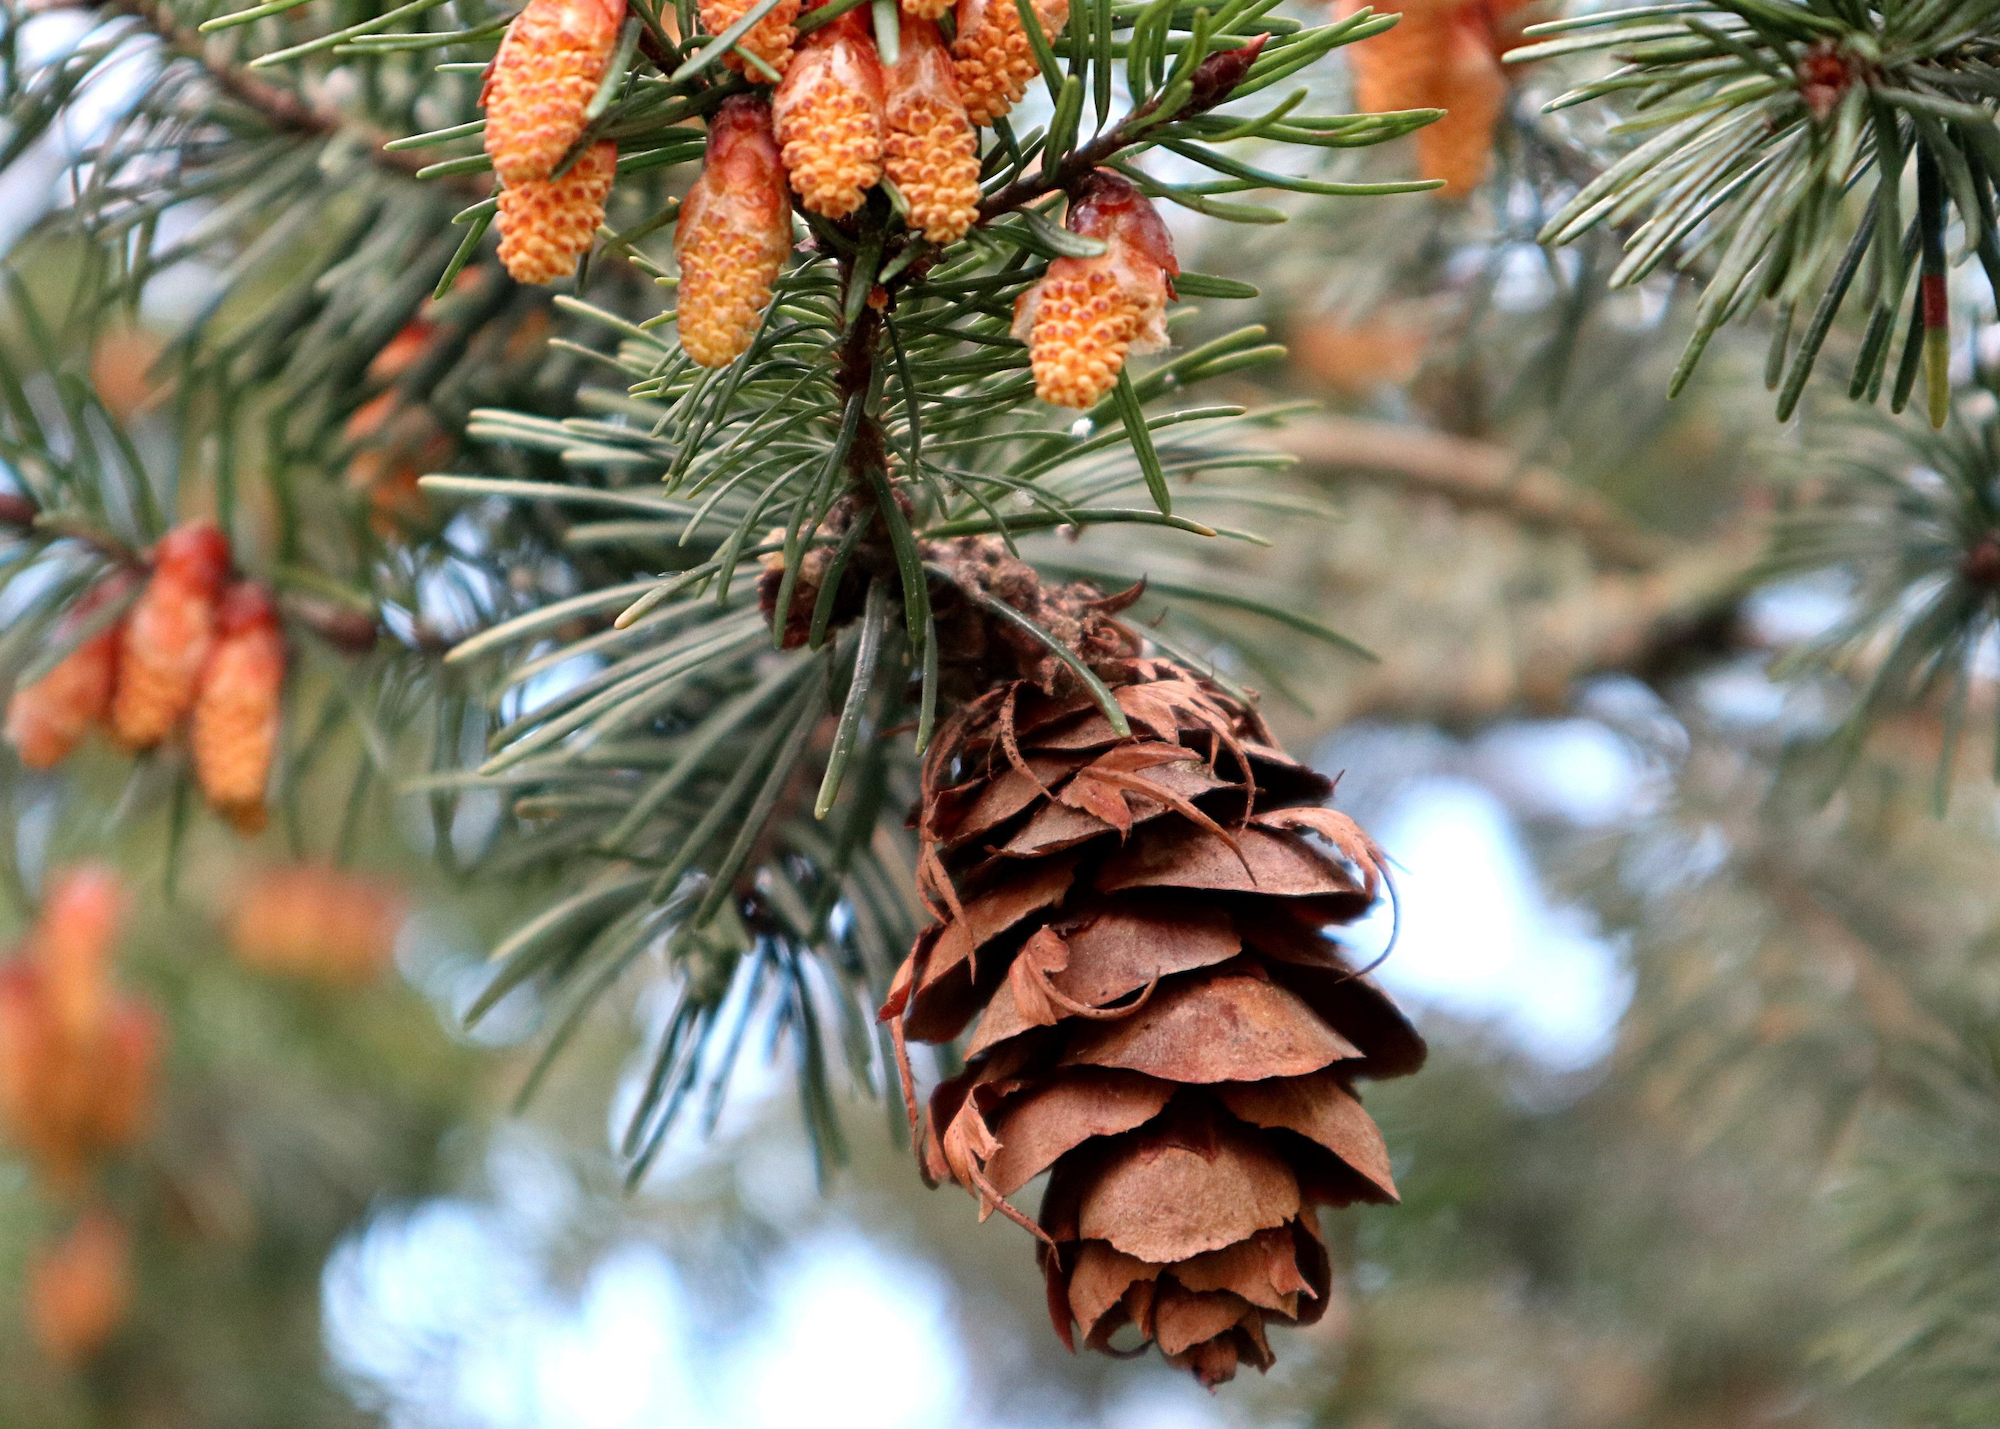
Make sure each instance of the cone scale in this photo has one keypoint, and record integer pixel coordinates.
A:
(1130, 928)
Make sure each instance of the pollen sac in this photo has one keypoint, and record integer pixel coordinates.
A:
(548, 70)
(734, 232)
(993, 56)
(547, 225)
(931, 153)
(770, 39)
(164, 641)
(829, 119)
(1088, 314)
(236, 714)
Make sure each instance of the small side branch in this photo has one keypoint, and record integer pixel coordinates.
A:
(1476, 475)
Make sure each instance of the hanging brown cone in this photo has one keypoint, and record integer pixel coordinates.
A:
(1131, 926)
(48, 719)
(234, 735)
(733, 235)
(549, 67)
(931, 154)
(547, 225)
(164, 641)
(1087, 315)
(80, 1288)
(993, 56)
(770, 39)
(828, 115)
(1472, 91)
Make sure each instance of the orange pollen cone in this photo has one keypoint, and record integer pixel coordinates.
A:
(547, 225)
(543, 79)
(931, 153)
(164, 641)
(734, 232)
(992, 54)
(828, 117)
(48, 719)
(1088, 314)
(237, 713)
(770, 39)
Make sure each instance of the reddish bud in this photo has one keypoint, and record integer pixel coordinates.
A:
(1216, 77)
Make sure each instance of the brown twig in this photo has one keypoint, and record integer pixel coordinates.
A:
(1474, 474)
(1214, 79)
(345, 629)
(283, 109)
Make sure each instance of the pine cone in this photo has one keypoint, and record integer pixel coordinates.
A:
(1472, 91)
(992, 55)
(164, 641)
(48, 719)
(734, 233)
(931, 153)
(770, 39)
(1087, 314)
(77, 1061)
(1400, 68)
(547, 225)
(237, 714)
(1134, 923)
(543, 79)
(828, 114)
(323, 923)
(80, 1288)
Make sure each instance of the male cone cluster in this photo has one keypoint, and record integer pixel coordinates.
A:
(1442, 54)
(193, 652)
(1131, 928)
(78, 1059)
(838, 122)
(547, 71)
